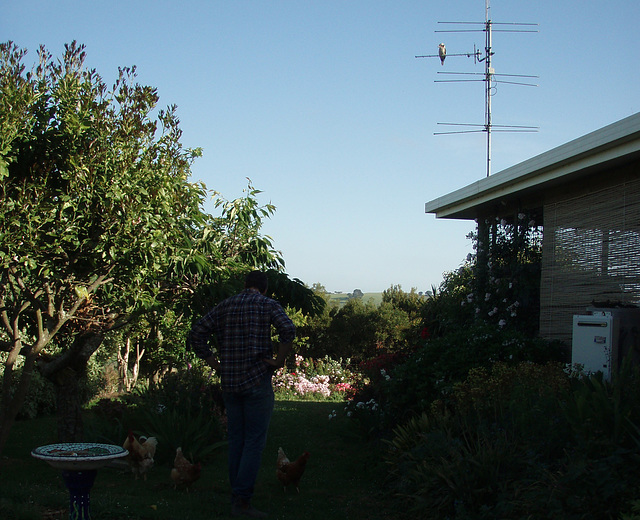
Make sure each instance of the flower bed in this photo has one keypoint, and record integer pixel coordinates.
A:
(315, 379)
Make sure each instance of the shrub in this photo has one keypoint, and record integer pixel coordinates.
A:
(185, 409)
(507, 444)
(433, 370)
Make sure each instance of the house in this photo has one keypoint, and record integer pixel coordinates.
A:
(586, 195)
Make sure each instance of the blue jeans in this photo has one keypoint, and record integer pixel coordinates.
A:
(248, 416)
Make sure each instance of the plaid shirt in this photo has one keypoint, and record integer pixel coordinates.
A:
(242, 327)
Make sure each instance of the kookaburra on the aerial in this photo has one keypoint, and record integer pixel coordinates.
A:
(442, 52)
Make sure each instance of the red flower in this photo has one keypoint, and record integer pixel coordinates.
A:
(425, 333)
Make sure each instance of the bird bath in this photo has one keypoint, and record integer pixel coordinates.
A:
(79, 462)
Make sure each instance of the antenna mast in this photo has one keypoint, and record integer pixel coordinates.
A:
(489, 78)
(488, 52)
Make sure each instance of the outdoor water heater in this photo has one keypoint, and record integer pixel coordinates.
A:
(592, 345)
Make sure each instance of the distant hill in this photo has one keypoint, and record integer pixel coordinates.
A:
(341, 298)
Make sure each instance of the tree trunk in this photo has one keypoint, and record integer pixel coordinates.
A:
(123, 366)
(12, 401)
(65, 372)
(70, 427)
(136, 366)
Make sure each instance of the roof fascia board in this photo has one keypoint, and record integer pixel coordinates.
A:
(609, 143)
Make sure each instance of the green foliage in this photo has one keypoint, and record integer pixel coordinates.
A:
(351, 332)
(507, 266)
(431, 372)
(96, 205)
(447, 309)
(520, 441)
(634, 514)
(100, 224)
(198, 433)
(396, 328)
(603, 414)
(293, 293)
(361, 329)
(183, 410)
(410, 302)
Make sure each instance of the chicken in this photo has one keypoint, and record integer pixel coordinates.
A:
(290, 472)
(141, 453)
(184, 473)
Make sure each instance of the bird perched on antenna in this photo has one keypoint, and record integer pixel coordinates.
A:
(442, 52)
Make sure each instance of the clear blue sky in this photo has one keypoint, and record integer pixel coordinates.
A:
(323, 105)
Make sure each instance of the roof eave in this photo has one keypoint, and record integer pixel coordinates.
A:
(583, 156)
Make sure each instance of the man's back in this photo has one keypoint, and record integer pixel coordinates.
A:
(242, 327)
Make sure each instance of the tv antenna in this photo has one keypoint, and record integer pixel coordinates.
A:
(490, 78)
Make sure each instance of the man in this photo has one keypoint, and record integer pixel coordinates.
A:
(242, 327)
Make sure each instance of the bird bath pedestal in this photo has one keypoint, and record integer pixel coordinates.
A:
(79, 462)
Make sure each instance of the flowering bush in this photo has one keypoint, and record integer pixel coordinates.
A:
(315, 379)
(506, 265)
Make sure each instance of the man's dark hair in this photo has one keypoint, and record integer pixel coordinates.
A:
(257, 280)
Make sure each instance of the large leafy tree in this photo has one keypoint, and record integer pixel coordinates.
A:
(101, 229)
(98, 221)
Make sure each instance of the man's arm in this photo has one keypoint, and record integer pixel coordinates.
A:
(198, 340)
(286, 333)
(283, 351)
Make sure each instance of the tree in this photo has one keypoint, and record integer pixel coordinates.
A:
(357, 293)
(411, 302)
(96, 211)
(101, 229)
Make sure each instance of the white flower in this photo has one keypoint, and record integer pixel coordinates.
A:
(502, 323)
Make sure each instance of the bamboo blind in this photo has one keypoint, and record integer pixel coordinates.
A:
(591, 250)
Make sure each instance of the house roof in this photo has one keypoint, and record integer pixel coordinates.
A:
(617, 143)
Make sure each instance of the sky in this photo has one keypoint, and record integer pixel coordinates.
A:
(324, 107)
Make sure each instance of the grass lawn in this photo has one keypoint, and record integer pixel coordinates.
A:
(344, 477)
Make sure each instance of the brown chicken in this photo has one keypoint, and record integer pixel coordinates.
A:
(290, 472)
(184, 473)
(141, 453)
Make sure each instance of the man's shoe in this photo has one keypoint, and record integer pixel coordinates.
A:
(244, 508)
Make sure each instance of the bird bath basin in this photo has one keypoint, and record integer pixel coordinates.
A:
(79, 462)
